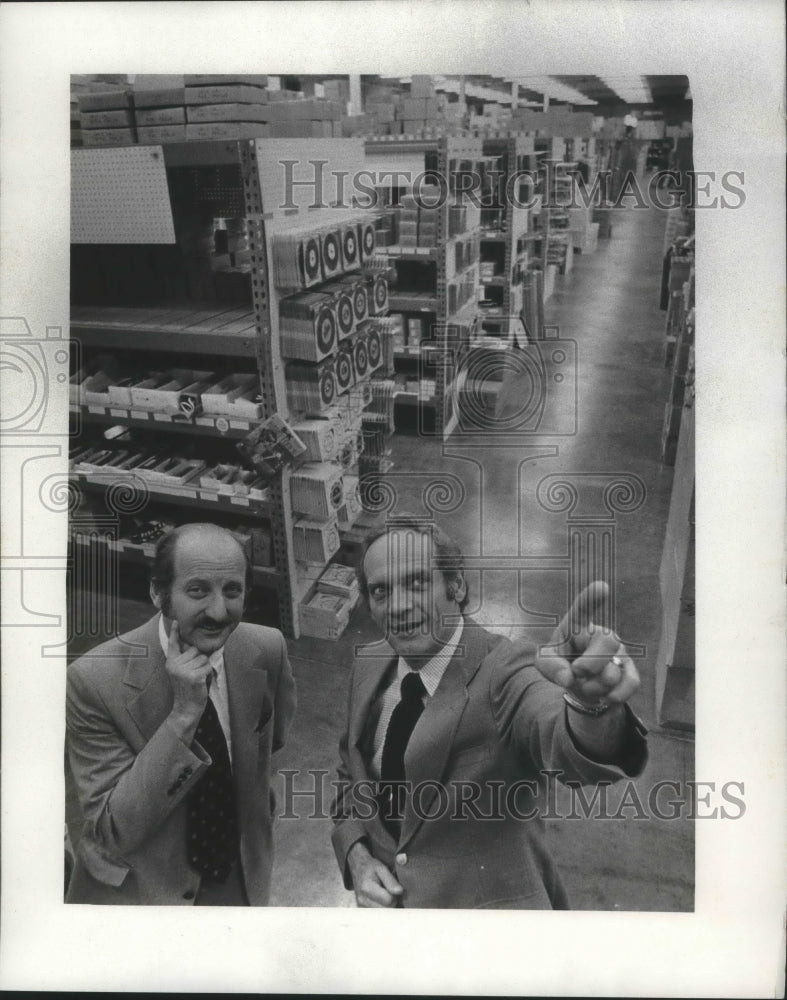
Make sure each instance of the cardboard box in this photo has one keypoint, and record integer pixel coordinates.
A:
(154, 134)
(161, 116)
(167, 97)
(121, 118)
(107, 100)
(228, 113)
(223, 79)
(109, 137)
(226, 130)
(228, 94)
(324, 616)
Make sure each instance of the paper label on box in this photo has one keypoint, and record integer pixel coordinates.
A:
(240, 501)
(139, 415)
(207, 495)
(97, 409)
(204, 421)
(163, 418)
(119, 413)
(240, 425)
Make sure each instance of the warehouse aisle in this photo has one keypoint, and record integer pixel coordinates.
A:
(607, 306)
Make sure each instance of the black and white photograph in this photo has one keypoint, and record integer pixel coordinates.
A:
(393, 499)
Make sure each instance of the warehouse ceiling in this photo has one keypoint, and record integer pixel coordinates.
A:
(662, 96)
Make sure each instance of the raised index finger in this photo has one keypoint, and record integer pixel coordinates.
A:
(589, 606)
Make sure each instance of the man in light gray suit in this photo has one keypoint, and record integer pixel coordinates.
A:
(170, 732)
(453, 732)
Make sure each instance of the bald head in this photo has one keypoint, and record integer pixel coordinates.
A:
(192, 538)
(201, 578)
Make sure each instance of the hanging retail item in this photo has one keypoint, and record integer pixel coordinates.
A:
(308, 325)
(330, 246)
(345, 368)
(311, 388)
(317, 490)
(298, 260)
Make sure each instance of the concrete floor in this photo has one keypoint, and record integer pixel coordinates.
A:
(608, 305)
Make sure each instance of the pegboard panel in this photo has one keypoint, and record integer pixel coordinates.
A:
(120, 195)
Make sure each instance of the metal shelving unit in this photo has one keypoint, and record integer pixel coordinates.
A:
(451, 325)
(244, 181)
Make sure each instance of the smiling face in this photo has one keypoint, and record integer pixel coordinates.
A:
(208, 591)
(408, 598)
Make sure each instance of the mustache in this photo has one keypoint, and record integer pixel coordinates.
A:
(212, 623)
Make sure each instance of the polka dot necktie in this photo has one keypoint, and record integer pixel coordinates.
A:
(211, 817)
(397, 736)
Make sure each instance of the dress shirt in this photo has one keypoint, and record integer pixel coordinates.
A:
(218, 686)
(431, 673)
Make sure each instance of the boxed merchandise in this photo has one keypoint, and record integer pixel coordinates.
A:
(105, 100)
(319, 436)
(338, 580)
(315, 541)
(377, 294)
(154, 134)
(358, 398)
(159, 97)
(228, 113)
(360, 355)
(160, 116)
(345, 367)
(205, 131)
(311, 387)
(330, 252)
(317, 490)
(374, 345)
(351, 249)
(308, 325)
(109, 137)
(118, 118)
(223, 79)
(366, 238)
(227, 94)
(298, 260)
(324, 616)
(355, 285)
(341, 297)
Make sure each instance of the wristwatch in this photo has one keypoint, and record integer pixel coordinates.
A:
(599, 708)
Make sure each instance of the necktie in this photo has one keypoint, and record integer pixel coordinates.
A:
(211, 818)
(397, 736)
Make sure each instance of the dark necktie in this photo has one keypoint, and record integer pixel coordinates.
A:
(211, 823)
(397, 736)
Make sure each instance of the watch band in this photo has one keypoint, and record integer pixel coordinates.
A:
(593, 710)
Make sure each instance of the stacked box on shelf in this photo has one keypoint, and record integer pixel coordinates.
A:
(106, 117)
(159, 109)
(317, 490)
(226, 107)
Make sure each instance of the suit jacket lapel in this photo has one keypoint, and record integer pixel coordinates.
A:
(149, 690)
(371, 668)
(429, 749)
(247, 681)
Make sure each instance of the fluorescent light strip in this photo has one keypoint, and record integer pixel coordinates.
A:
(631, 89)
(554, 90)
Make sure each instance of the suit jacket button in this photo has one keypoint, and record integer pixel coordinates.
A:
(401, 859)
(189, 894)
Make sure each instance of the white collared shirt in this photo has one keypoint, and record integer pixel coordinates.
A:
(218, 686)
(430, 673)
